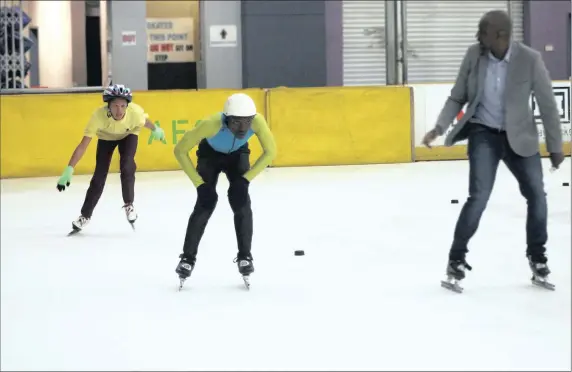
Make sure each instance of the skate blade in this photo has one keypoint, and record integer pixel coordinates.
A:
(452, 286)
(246, 279)
(181, 283)
(74, 231)
(132, 225)
(543, 283)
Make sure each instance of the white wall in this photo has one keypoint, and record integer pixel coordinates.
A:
(53, 19)
(79, 63)
(61, 29)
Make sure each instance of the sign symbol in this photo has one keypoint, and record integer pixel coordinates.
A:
(223, 34)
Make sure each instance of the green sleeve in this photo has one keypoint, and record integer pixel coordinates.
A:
(260, 127)
(204, 129)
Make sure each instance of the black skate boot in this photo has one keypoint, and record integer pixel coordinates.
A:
(245, 268)
(540, 271)
(184, 269)
(455, 274)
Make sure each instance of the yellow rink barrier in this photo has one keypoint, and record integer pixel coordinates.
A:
(177, 112)
(40, 132)
(341, 126)
(459, 152)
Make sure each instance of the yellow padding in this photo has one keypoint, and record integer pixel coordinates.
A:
(341, 126)
(40, 132)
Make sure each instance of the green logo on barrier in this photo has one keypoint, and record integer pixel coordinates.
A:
(176, 130)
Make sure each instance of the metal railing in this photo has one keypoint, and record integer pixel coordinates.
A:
(13, 45)
(19, 91)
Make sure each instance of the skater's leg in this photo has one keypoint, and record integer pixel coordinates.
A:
(236, 166)
(208, 166)
(127, 148)
(528, 173)
(485, 152)
(103, 158)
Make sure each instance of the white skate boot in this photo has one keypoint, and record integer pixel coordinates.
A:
(79, 224)
(130, 214)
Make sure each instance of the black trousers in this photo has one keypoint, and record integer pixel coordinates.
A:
(127, 149)
(210, 164)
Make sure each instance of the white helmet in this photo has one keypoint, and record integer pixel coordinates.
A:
(239, 104)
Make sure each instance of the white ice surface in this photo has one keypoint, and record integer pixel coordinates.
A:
(366, 295)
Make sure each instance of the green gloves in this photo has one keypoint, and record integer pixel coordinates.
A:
(65, 178)
(158, 134)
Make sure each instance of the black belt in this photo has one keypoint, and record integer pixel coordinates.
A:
(490, 129)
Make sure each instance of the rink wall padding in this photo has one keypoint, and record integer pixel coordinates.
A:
(40, 132)
(429, 99)
(312, 126)
(178, 111)
(341, 126)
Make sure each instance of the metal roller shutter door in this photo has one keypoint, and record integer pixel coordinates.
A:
(363, 42)
(439, 32)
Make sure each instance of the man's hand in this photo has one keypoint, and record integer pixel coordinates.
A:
(556, 158)
(430, 137)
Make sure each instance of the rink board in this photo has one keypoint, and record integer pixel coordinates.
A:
(40, 132)
(312, 126)
(430, 98)
(341, 126)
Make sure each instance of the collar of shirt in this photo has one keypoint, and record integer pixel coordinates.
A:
(506, 57)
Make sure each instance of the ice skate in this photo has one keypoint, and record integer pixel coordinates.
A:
(245, 268)
(78, 225)
(540, 272)
(455, 274)
(130, 214)
(184, 269)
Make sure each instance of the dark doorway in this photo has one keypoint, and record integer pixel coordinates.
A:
(93, 51)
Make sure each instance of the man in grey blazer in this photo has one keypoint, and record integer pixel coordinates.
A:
(495, 80)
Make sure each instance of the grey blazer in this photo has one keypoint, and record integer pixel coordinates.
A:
(526, 74)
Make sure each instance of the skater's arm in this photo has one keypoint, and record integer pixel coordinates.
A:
(79, 151)
(204, 129)
(542, 87)
(149, 125)
(139, 118)
(260, 127)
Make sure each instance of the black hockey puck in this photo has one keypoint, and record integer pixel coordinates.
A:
(565, 183)
(454, 201)
(298, 253)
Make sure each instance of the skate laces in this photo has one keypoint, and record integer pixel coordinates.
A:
(129, 208)
(538, 260)
(242, 261)
(462, 265)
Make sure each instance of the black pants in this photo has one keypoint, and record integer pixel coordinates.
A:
(210, 164)
(487, 148)
(127, 149)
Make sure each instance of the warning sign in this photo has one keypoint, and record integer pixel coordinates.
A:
(170, 40)
(128, 38)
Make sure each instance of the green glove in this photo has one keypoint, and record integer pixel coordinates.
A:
(65, 178)
(158, 134)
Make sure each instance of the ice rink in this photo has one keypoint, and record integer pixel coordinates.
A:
(366, 296)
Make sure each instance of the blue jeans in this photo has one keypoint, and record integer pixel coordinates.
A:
(487, 147)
